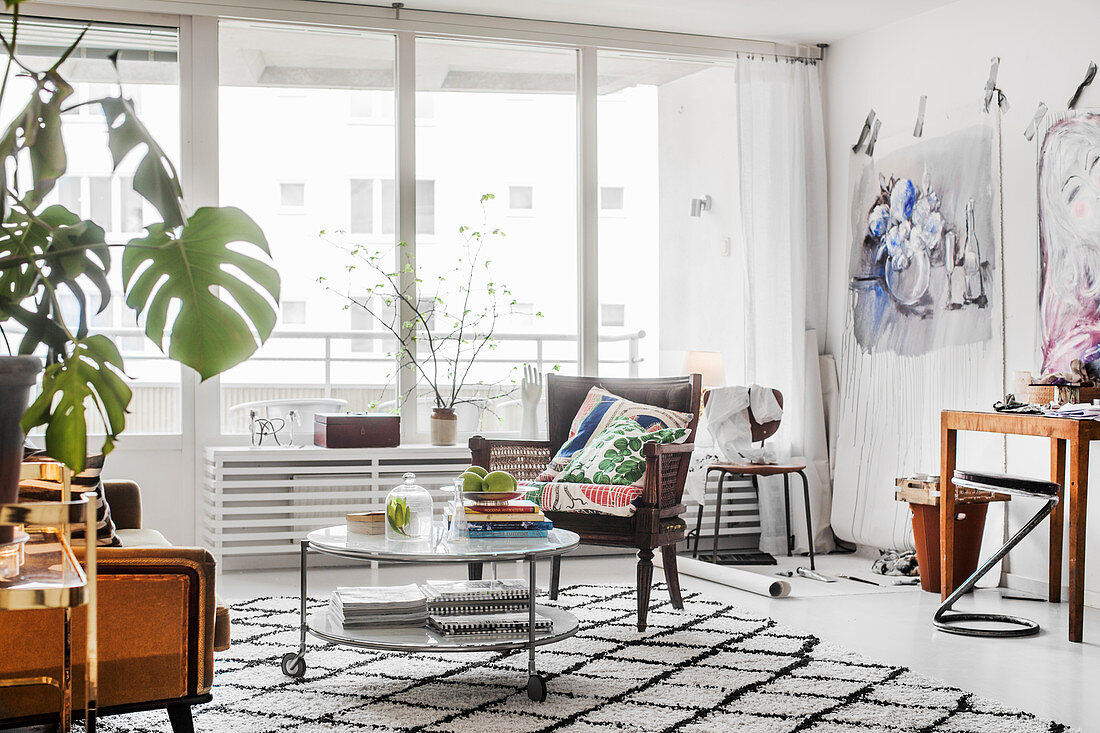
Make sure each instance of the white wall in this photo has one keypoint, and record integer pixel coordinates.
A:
(945, 53)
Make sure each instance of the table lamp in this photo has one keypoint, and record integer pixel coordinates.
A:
(708, 364)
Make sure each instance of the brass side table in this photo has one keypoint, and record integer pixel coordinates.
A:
(51, 577)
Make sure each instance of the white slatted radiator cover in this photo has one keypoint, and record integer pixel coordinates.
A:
(257, 503)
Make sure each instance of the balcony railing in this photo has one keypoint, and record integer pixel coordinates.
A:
(304, 364)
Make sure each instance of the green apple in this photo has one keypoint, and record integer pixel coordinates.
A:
(500, 481)
(472, 482)
(478, 470)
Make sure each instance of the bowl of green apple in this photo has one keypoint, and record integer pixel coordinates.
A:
(485, 487)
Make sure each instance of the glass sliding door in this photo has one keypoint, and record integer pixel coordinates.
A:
(669, 276)
(307, 148)
(497, 119)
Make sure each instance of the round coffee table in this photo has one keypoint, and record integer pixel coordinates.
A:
(338, 542)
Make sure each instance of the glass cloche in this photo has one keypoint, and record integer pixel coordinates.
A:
(409, 511)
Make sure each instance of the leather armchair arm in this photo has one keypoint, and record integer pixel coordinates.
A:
(156, 633)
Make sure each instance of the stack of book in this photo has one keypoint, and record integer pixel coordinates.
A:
(382, 606)
(481, 607)
(518, 518)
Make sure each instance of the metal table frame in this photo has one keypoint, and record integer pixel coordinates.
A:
(293, 663)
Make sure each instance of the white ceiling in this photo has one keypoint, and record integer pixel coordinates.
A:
(802, 21)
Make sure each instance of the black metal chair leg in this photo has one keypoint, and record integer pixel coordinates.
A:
(787, 513)
(180, 717)
(809, 521)
(718, 514)
(699, 517)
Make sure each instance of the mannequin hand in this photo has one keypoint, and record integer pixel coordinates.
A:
(530, 385)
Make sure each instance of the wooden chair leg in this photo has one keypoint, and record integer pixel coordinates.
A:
(180, 717)
(645, 584)
(555, 576)
(474, 570)
(672, 576)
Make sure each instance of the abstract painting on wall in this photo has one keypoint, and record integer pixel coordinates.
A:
(923, 317)
(1069, 242)
(923, 244)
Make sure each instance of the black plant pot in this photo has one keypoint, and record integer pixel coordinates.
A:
(17, 376)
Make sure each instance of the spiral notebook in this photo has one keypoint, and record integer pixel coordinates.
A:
(507, 589)
(497, 623)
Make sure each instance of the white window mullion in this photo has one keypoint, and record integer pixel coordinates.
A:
(587, 215)
(405, 126)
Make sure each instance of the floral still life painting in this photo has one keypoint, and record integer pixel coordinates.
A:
(924, 240)
(1069, 242)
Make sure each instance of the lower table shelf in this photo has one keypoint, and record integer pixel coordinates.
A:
(324, 625)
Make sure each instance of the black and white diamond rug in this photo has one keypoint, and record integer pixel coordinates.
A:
(709, 667)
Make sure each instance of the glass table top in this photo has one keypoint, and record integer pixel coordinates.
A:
(338, 541)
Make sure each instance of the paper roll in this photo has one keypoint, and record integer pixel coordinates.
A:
(741, 579)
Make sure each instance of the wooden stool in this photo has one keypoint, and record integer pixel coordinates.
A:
(947, 620)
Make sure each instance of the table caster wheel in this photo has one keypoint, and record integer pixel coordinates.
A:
(295, 666)
(536, 688)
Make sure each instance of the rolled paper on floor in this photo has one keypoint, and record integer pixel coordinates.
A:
(761, 585)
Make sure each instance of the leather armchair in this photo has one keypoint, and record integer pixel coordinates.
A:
(159, 626)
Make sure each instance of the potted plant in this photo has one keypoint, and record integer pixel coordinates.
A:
(449, 327)
(175, 275)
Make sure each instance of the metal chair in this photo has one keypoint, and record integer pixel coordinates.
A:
(945, 619)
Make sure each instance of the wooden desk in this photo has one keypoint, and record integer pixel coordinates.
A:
(1078, 434)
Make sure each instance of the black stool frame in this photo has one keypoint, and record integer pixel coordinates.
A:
(948, 620)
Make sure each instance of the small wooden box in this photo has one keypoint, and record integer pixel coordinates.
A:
(356, 430)
(1043, 394)
(927, 492)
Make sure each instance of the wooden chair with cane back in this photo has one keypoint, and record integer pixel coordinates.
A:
(656, 523)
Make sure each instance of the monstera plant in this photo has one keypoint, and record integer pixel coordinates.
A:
(201, 283)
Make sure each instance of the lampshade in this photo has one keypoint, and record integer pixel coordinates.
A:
(707, 363)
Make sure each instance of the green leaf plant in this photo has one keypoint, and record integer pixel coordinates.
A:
(450, 322)
(202, 283)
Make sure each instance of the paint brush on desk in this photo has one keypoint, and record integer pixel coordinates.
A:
(858, 580)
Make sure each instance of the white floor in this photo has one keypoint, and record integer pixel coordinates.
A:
(1045, 674)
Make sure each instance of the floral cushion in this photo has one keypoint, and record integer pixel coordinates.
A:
(597, 411)
(615, 456)
(583, 498)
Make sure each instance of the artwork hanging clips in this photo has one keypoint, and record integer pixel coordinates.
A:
(1036, 120)
(991, 86)
(918, 129)
(874, 139)
(863, 133)
(1089, 76)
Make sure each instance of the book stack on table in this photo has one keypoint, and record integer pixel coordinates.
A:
(481, 607)
(518, 518)
(379, 607)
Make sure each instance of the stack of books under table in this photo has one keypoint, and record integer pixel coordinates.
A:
(379, 607)
(516, 518)
(458, 607)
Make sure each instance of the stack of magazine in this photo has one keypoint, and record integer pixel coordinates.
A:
(379, 607)
(481, 607)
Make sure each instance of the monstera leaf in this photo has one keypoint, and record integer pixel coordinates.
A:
(155, 178)
(37, 130)
(53, 250)
(89, 373)
(207, 333)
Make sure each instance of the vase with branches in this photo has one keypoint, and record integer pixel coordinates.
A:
(201, 282)
(442, 328)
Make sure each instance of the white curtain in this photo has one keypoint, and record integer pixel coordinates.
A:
(781, 143)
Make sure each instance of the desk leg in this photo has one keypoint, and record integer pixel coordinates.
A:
(947, 512)
(1078, 489)
(1058, 476)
